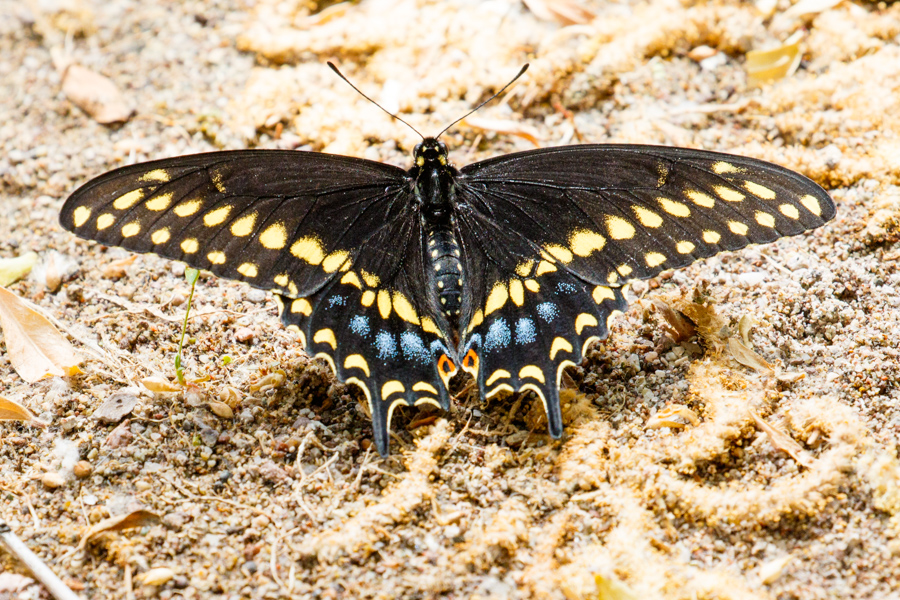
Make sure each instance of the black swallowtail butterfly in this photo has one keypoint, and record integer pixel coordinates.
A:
(508, 268)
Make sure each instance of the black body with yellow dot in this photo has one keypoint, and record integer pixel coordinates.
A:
(507, 268)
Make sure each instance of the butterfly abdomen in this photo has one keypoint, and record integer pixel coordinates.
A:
(443, 255)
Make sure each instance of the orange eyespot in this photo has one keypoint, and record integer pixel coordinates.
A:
(445, 365)
(470, 361)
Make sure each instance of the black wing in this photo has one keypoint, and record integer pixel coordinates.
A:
(548, 238)
(336, 238)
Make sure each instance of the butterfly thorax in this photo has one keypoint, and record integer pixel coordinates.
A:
(435, 192)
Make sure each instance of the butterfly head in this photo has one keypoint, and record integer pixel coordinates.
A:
(430, 152)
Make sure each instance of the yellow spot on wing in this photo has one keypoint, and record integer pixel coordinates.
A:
(104, 221)
(217, 216)
(624, 270)
(158, 203)
(357, 361)
(559, 345)
(371, 280)
(367, 298)
(302, 306)
(532, 371)
(309, 249)
(612, 277)
(384, 303)
(391, 387)
(424, 387)
(128, 200)
(428, 326)
(648, 218)
(738, 228)
(189, 246)
(674, 208)
(516, 292)
(711, 237)
(700, 199)
(159, 175)
(728, 194)
(325, 336)
(274, 237)
(601, 293)
(216, 258)
(335, 261)
(789, 211)
(80, 215)
(524, 268)
(160, 236)
(404, 308)
(477, 319)
(248, 270)
(584, 320)
(532, 285)
(583, 242)
(351, 279)
(685, 247)
(496, 299)
(619, 228)
(186, 209)
(654, 259)
(244, 226)
(496, 375)
(759, 190)
(812, 204)
(721, 167)
(281, 280)
(544, 267)
(764, 219)
(559, 253)
(131, 229)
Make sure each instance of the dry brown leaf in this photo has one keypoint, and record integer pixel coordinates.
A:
(36, 349)
(12, 411)
(14, 269)
(783, 441)
(95, 94)
(565, 12)
(116, 269)
(156, 576)
(666, 417)
(748, 357)
(776, 63)
(138, 518)
(155, 383)
(505, 127)
(220, 409)
(680, 327)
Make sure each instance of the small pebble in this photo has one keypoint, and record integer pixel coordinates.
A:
(244, 335)
(53, 480)
(83, 469)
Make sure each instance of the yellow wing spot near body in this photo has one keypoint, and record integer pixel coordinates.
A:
(365, 389)
(496, 299)
(248, 270)
(356, 361)
(128, 200)
(559, 345)
(647, 217)
(654, 259)
(700, 199)
(280, 304)
(516, 292)
(131, 229)
(244, 226)
(309, 249)
(532, 286)
(624, 270)
(80, 215)
(711, 237)
(189, 246)
(424, 387)
(759, 190)
(216, 258)
(601, 293)
(612, 277)
(619, 228)
(764, 219)
(811, 204)
(559, 253)
(186, 209)
(477, 319)
(370, 279)
(496, 376)
(676, 209)
(157, 175)
(335, 261)
(685, 247)
(325, 336)
(790, 211)
(426, 400)
(274, 237)
(721, 167)
(301, 306)
(738, 228)
(728, 194)
(392, 407)
(584, 320)
(391, 387)
(523, 269)
(281, 280)
(612, 317)
(351, 279)
(404, 308)
(428, 326)
(160, 236)
(105, 220)
(584, 242)
(216, 178)
(544, 267)
(368, 298)
(292, 288)
(217, 216)
(532, 371)
(384, 303)
(662, 174)
(158, 203)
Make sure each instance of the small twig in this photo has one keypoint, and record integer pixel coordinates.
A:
(273, 558)
(38, 568)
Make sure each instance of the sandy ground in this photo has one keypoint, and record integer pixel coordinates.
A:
(287, 498)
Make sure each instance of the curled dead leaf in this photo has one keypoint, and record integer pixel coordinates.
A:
(678, 325)
(784, 442)
(775, 63)
(36, 349)
(564, 12)
(270, 381)
(138, 518)
(156, 576)
(667, 416)
(748, 357)
(14, 269)
(156, 383)
(13, 411)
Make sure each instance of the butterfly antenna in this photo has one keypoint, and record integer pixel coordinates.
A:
(503, 89)
(358, 91)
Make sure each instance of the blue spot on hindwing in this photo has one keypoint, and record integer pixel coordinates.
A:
(386, 344)
(360, 325)
(413, 347)
(566, 288)
(337, 301)
(525, 331)
(547, 311)
(498, 335)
